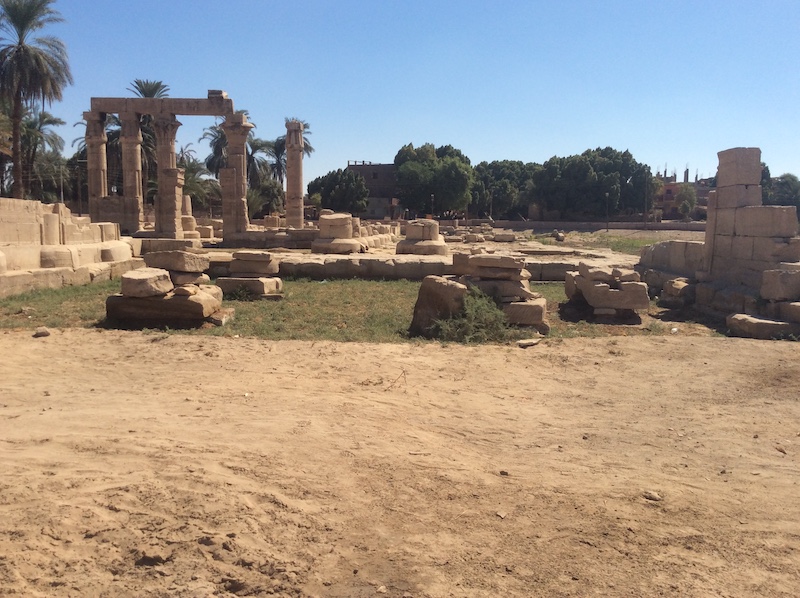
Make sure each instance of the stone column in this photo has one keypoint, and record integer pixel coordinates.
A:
(131, 140)
(169, 201)
(96, 164)
(233, 179)
(294, 174)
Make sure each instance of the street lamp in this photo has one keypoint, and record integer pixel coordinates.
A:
(606, 212)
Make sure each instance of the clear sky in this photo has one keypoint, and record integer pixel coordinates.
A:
(673, 81)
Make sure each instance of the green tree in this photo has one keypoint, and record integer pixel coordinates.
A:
(766, 184)
(341, 191)
(786, 191)
(686, 199)
(31, 68)
(38, 137)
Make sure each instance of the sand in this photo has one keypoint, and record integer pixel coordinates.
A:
(138, 464)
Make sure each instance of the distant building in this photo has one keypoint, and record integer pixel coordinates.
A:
(382, 185)
(667, 201)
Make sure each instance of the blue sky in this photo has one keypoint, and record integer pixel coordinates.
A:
(674, 82)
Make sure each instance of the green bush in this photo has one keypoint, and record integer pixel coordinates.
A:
(481, 321)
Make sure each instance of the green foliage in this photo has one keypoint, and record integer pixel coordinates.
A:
(785, 191)
(687, 200)
(341, 191)
(481, 321)
(432, 180)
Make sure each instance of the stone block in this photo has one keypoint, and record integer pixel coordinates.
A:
(761, 328)
(570, 285)
(789, 311)
(723, 246)
(767, 221)
(534, 269)
(695, 257)
(595, 274)
(501, 273)
(341, 267)
(165, 308)
(503, 289)
(630, 295)
(504, 237)
(742, 247)
(59, 256)
(253, 255)
(655, 256)
(3, 263)
(337, 246)
(438, 298)
(183, 278)
(188, 223)
(98, 272)
(339, 231)
(117, 269)
(780, 285)
(182, 261)
(408, 246)
(461, 263)
(238, 266)
(206, 232)
(739, 166)
(255, 286)
(146, 282)
(555, 271)
(15, 282)
(738, 196)
(422, 230)
(115, 251)
(532, 312)
(493, 260)
(726, 222)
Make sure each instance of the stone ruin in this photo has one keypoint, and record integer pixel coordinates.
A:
(422, 238)
(748, 267)
(341, 233)
(502, 277)
(254, 272)
(611, 292)
(172, 290)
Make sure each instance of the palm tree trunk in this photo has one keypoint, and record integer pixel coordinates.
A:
(17, 189)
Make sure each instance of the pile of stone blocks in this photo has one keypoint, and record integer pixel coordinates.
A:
(611, 292)
(150, 297)
(505, 279)
(184, 267)
(422, 238)
(253, 271)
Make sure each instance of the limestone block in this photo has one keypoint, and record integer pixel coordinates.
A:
(655, 256)
(3, 263)
(98, 272)
(474, 238)
(461, 264)
(182, 261)
(16, 282)
(206, 232)
(532, 312)
(780, 285)
(165, 308)
(723, 246)
(186, 290)
(570, 285)
(191, 234)
(253, 267)
(146, 282)
(408, 246)
(338, 246)
(501, 273)
(504, 237)
(535, 270)
(88, 253)
(212, 290)
(109, 231)
(494, 260)
(59, 256)
(377, 268)
(339, 231)
(593, 273)
(733, 299)
(505, 290)
(726, 222)
(184, 278)
(115, 251)
(767, 221)
(51, 229)
(422, 230)
(739, 196)
(626, 275)
(188, 223)
(704, 293)
(439, 298)
(255, 286)
(680, 287)
(253, 255)
(157, 245)
(789, 311)
(630, 295)
(742, 248)
(761, 328)
(117, 269)
(695, 256)
(340, 267)
(739, 166)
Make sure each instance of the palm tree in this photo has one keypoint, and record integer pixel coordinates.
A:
(147, 88)
(31, 68)
(37, 136)
(279, 151)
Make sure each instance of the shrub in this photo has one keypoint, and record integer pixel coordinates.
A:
(481, 321)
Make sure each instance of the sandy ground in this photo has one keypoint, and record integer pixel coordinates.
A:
(142, 464)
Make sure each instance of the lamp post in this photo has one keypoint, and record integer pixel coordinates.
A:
(606, 212)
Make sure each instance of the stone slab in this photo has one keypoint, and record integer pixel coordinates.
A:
(181, 261)
(761, 328)
(146, 282)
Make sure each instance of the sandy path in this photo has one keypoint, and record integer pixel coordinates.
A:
(152, 465)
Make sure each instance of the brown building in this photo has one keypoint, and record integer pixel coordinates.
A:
(382, 185)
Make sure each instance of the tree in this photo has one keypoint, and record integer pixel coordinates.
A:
(786, 190)
(341, 191)
(37, 138)
(686, 199)
(31, 68)
(766, 184)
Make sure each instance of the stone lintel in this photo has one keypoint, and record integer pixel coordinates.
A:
(216, 106)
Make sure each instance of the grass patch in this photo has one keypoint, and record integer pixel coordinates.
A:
(621, 244)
